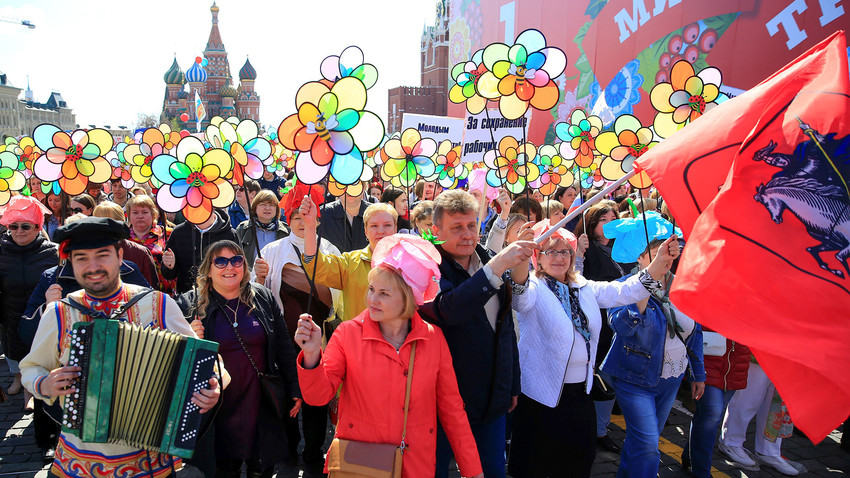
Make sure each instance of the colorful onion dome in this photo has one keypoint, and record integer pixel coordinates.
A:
(174, 75)
(247, 72)
(196, 74)
(227, 91)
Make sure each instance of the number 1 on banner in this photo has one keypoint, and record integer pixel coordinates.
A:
(506, 14)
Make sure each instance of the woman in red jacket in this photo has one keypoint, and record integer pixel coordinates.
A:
(369, 357)
(726, 367)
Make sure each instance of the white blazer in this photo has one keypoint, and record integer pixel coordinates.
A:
(547, 333)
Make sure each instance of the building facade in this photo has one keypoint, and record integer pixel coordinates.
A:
(431, 97)
(19, 117)
(213, 84)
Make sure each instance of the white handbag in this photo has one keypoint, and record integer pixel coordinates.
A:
(713, 344)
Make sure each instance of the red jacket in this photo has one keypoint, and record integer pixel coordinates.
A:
(374, 378)
(729, 371)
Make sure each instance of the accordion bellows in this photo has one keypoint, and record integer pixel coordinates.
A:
(136, 386)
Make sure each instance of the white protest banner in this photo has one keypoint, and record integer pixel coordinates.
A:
(477, 138)
(438, 128)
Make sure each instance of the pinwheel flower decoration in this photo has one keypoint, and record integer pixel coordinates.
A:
(330, 130)
(629, 140)
(466, 77)
(408, 157)
(591, 176)
(686, 97)
(448, 169)
(194, 182)
(74, 160)
(511, 165)
(554, 170)
(349, 63)
(525, 73)
(579, 137)
(281, 160)
(121, 169)
(353, 190)
(10, 178)
(25, 150)
(140, 156)
(241, 139)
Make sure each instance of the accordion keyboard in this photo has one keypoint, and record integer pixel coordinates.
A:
(78, 356)
(190, 418)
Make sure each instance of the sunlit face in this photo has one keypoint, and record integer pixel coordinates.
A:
(477, 194)
(119, 192)
(23, 232)
(380, 225)
(228, 278)
(556, 259)
(375, 193)
(54, 202)
(512, 234)
(98, 270)
(605, 219)
(537, 196)
(77, 207)
(141, 219)
(460, 231)
(240, 195)
(35, 184)
(556, 216)
(296, 224)
(428, 191)
(94, 190)
(425, 224)
(643, 259)
(384, 299)
(266, 211)
(568, 197)
(400, 205)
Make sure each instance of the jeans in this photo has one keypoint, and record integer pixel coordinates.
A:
(645, 411)
(704, 428)
(490, 438)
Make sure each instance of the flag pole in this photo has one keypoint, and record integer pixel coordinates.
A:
(590, 202)
(811, 134)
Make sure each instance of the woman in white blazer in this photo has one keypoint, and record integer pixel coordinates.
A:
(554, 431)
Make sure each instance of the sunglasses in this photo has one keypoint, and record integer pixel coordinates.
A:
(76, 210)
(240, 188)
(235, 261)
(24, 227)
(563, 253)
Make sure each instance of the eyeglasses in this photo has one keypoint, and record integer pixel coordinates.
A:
(563, 253)
(240, 188)
(24, 227)
(76, 210)
(235, 261)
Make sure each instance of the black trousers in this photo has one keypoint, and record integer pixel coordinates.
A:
(554, 442)
(46, 430)
(314, 422)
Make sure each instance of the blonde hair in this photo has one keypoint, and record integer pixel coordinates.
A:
(76, 217)
(109, 209)
(397, 281)
(142, 201)
(455, 201)
(375, 208)
(551, 206)
(246, 293)
(571, 272)
(422, 210)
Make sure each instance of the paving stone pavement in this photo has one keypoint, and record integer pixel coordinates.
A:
(19, 457)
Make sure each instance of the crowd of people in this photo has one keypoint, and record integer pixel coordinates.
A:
(437, 321)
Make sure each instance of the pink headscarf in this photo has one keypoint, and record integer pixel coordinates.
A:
(24, 209)
(561, 233)
(416, 259)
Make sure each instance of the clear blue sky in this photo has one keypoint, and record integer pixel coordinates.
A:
(108, 58)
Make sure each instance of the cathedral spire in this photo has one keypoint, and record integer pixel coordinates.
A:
(214, 43)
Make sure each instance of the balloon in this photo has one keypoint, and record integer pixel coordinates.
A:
(204, 62)
(184, 117)
(197, 59)
(184, 133)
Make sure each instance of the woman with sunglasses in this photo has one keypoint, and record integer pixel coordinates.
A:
(82, 204)
(24, 254)
(554, 426)
(246, 321)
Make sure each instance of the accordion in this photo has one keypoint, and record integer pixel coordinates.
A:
(136, 386)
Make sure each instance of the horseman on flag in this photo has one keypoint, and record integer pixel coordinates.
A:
(759, 186)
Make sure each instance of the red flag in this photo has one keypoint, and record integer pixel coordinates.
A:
(690, 166)
(767, 258)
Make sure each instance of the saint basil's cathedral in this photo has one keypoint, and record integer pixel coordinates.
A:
(214, 85)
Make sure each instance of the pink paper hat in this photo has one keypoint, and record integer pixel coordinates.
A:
(561, 233)
(416, 259)
(24, 209)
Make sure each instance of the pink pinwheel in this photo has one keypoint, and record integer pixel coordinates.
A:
(194, 182)
(10, 178)
(511, 166)
(554, 170)
(408, 157)
(349, 63)
(74, 160)
(140, 156)
(579, 137)
(241, 139)
(449, 170)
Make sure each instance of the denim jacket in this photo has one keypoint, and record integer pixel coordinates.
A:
(637, 352)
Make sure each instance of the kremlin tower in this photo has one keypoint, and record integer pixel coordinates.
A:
(214, 85)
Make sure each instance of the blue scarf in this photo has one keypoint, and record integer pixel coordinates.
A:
(568, 297)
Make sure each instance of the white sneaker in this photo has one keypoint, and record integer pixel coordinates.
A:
(740, 456)
(779, 463)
